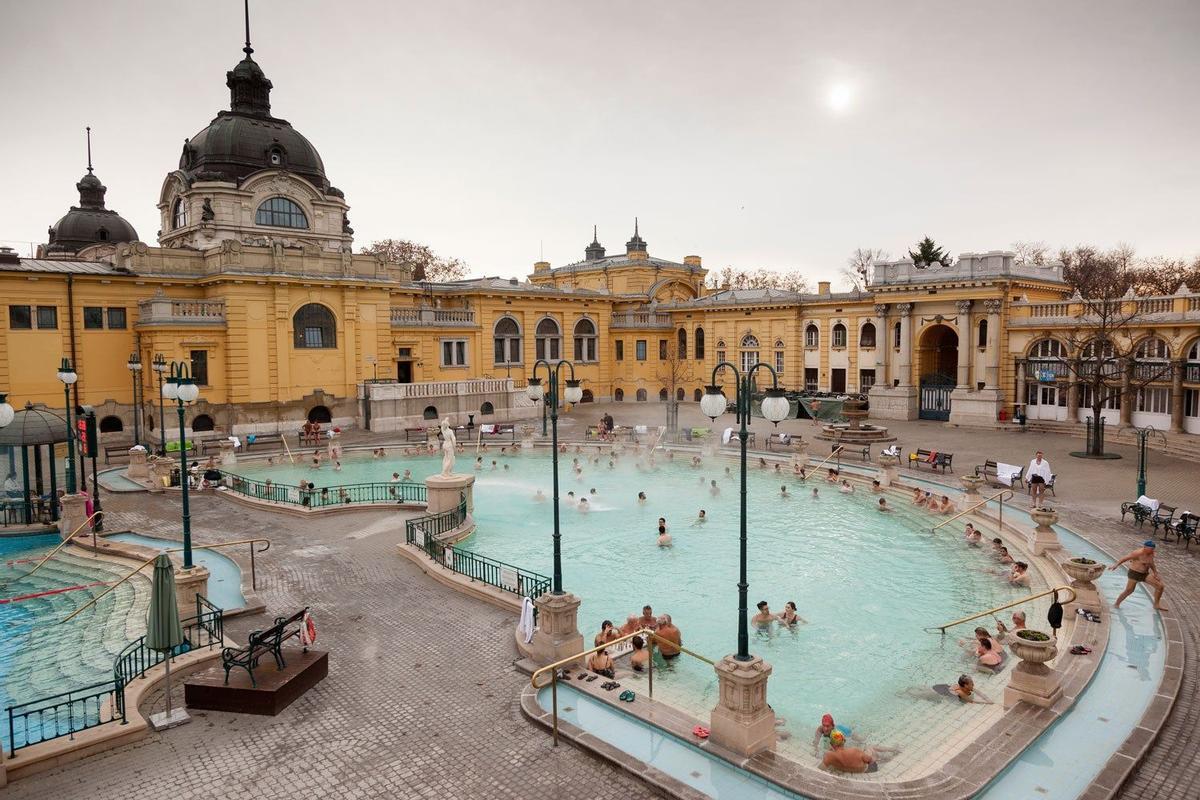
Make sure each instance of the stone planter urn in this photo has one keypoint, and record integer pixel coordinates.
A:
(1083, 571)
(971, 484)
(1044, 537)
(526, 436)
(888, 473)
(1032, 680)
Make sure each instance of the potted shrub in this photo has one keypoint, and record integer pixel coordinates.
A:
(1082, 572)
(1034, 648)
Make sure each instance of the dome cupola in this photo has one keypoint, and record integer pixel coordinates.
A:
(90, 222)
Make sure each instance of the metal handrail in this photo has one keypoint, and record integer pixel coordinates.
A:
(999, 494)
(837, 451)
(648, 634)
(337, 496)
(151, 559)
(1053, 591)
(53, 552)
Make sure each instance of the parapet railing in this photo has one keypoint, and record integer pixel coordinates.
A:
(54, 552)
(998, 495)
(329, 496)
(423, 532)
(991, 611)
(648, 636)
(66, 713)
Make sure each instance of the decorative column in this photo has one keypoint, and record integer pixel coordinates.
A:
(991, 373)
(905, 365)
(138, 469)
(883, 344)
(1021, 393)
(965, 349)
(742, 721)
(1031, 680)
(1177, 396)
(1044, 537)
(188, 584)
(1127, 395)
(74, 514)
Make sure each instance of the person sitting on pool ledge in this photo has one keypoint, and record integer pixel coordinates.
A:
(852, 759)
(789, 616)
(668, 638)
(601, 663)
(764, 617)
(918, 496)
(641, 655)
(883, 506)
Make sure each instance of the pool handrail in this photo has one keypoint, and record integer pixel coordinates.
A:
(837, 451)
(151, 559)
(648, 634)
(1055, 590)
(1000, 494)
(53, 552)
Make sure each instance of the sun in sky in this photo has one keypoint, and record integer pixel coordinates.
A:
(840, 98)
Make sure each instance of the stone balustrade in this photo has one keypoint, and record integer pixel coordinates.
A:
(641, 320)
(433, 318)
(162, 310)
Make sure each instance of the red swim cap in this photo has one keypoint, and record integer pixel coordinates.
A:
(827, 720)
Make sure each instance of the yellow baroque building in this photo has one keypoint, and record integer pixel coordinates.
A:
(255, 286)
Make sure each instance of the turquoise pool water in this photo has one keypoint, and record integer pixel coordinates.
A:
(39, 656)
(224, 575)
(868, 583)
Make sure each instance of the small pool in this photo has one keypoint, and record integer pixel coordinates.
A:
(224, 575)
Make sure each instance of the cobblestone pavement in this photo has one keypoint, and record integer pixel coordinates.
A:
(421, 696)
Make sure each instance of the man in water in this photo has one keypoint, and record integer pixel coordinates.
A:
(823, 731)
(666, 630)
(783, 493)
(764, 616)
(852, 759)
(647, 620)
(1020, 574)
(641, 498)
(713, 489)
(700, 520)
(1141, 568)
(1038, 474)
(884, 507)
(583, 505)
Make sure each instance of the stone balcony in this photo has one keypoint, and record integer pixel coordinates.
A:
(1182, 307)
(433, 318)
(641, 320)
(161, 310)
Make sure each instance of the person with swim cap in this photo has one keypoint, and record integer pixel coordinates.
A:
(852, 759)
(825, 729)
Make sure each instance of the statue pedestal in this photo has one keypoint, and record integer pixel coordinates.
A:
(72, 516)
(557, 634)
(742, 721)
(444, 492)
(138, 469)
(188, 584)
(228, 454)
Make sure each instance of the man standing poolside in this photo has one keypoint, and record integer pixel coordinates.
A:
(1141, 568)
(1038, 475)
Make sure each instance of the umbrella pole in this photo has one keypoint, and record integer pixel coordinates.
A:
(168, 681)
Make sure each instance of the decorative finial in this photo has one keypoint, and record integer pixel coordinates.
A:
(247, 49)
(595, 237)
(635, 226)
(89, 141)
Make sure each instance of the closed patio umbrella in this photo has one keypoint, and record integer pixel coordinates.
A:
(164, 634)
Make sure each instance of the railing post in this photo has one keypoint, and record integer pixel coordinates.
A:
(554, 697)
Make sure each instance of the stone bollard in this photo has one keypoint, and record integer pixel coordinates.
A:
(1044, 537)
(72, 516)
(970, 484)
(889, 473)
(742, 720)
(228, 454)
(1031, 680)
(1082, 572)
(557, 634)
(188, 584)
(139, 468)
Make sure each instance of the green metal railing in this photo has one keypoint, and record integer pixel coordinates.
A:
(330, 496)
(424, 532)
(67, 713)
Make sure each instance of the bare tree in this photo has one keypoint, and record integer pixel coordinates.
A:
(426, 264)
(673, 374)
(787, 280)
(1031, 252)
(857, 272)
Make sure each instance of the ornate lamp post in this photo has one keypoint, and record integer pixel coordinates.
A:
(1142, 435)
(135, 370)
(68, 378)
(572, 395)
(775, 409)
(181, 388)
(160, 366)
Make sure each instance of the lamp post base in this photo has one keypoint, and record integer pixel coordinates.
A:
(188, 584)
(164, 720)
(742, 721)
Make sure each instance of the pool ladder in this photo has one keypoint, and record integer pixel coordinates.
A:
(998, 495)
(57, 547)
(990, 611)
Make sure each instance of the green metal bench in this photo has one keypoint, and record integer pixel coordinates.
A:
(261, 643)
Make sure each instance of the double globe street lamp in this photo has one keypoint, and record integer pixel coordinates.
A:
(572, 395)
(135, 370)
(68, 377)
(181, 388)
(775, 408)
(160, 366)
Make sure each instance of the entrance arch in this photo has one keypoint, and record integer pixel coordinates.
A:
(937, 362)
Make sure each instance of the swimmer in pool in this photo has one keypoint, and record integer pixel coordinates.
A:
(641, 498)
(764, 617)
(853, 759)
(964, 691)
(827, 727)
(540, 497)
(789, 616)
(883, 506)
(713, 489)
(846, 488)
(700, 520)
(783, 493)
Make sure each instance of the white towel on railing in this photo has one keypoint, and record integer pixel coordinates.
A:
(1148, 502)
(1006, 472)
(525, 625)
(487, 428)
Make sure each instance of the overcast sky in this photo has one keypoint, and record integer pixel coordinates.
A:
(779, 135)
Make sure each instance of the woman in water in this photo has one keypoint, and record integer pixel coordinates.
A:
(846, 488)
(789, 616)
(607, 633)
(601, 663)
(641, 498)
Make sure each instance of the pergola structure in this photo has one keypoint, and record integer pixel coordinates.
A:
(33, 428)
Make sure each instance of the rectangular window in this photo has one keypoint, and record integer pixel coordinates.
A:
(19, 318)
(47, 317)
(779, 362)
(866, 379)
(620, 344)
(641, 349)
(1154, 400)
(810, 379)
(199, 366)
(93, 317)
(662, 349)
(1112, 401)
(116, 318)
(839, 335)
(313, 337)
(454, 352)
(1191, 403)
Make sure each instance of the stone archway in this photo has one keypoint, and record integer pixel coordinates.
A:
(937, 365)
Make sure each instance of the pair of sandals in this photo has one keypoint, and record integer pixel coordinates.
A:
(626, 696)
(610, 685)
(1081, 650)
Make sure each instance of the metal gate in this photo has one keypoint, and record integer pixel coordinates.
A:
(935, 396)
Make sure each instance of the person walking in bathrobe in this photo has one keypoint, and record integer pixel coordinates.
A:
(1038, 475)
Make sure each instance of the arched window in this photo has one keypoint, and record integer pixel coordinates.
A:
(839, 335)
(779, 356)
(699, 344)
(202, 423)
(507, 338)
(680, 395)
(749, 351)
(896, 336)
(486, 410)
(102, 234)
(619, 395)
(812, 336)
(111, 425)
(585, 340)
(279, 212)
(866, 336)
(1046, 350)
(681, 344)
(178, 213)
(314, 327)
(663, 394)
(430, 412)
(983, 333)
(548, 338)
(588, 396)
(1193, 355)
(1153, 349)
(320, 414)
(696, 395)
(641, 395)
(720, 351)
(1152, 360)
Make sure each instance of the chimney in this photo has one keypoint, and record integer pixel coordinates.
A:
(822, 287)
(692, 261)
(541, 266)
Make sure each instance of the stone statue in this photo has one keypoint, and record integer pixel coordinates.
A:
(206, 212)
(448, 444)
